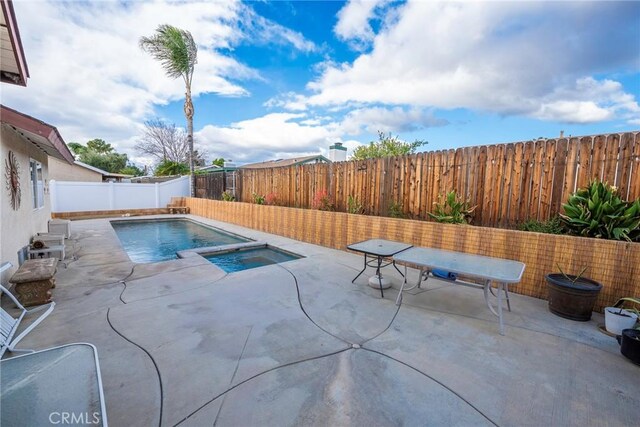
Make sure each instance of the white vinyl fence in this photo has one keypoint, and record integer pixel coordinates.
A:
(69, 196)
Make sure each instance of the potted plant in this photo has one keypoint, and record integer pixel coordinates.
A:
(630, 344)
(572, 296)
(616, 318)
(630, 340)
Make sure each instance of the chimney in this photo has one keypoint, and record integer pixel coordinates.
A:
(337, 153)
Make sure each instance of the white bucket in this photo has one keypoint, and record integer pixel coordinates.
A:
(615, 323)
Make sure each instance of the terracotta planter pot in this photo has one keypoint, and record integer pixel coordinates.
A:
(572, 300)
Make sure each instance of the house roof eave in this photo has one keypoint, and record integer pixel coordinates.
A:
(42, 135)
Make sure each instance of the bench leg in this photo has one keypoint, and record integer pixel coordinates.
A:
(404, 282)
(487, 290)
(421, 275)
(500, 288)
(506, 294)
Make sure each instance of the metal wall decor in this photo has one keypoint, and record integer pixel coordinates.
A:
(12, 176)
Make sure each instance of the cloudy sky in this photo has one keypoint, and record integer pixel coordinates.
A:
(287, 78)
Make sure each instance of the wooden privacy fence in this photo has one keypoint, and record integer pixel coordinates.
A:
(212, 185)
(509, 183)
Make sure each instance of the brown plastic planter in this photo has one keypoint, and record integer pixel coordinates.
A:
(573, 301)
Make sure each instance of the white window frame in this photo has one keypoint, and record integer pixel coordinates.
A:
(37, 184)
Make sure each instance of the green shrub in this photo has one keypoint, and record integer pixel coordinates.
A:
(453, 210)
(552, 226)
(354, 206)
(258, 199)
(167, 168)
(228, 196)
(395, 210)
(598, 211)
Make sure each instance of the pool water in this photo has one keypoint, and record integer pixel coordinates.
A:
(245, 259)
(159, 240)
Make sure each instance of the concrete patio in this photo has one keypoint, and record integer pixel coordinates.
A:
(183, 343)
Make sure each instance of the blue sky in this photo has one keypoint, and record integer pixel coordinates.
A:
(289, 78)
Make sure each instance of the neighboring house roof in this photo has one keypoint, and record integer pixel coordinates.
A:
(150, 179)
(318, 158)
(208, 168)
(42, 135)
(216, 168)
(100, 171)
(13, 64)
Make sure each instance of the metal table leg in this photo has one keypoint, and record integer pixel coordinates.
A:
(379, 275)
(363, 269)
(396, 267)
(500, 289)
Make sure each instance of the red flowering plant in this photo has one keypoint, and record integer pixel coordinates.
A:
(322, 201)
(271, 199)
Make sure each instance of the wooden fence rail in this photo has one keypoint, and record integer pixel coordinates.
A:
(509, 183)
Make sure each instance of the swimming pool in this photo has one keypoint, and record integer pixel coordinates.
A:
(244, 259)
(159, 239)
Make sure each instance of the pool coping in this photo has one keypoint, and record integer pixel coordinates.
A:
(181, 218)
(211, 250)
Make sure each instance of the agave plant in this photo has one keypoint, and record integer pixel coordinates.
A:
(598, 211)
(453, 210)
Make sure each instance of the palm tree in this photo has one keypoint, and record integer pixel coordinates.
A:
(178, 54)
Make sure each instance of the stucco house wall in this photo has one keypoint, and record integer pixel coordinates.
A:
(18, 226)
(62, 171)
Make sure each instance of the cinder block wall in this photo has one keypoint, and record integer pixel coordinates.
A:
(614, 264)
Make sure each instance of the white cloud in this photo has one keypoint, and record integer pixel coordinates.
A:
(382, 119)
(573, 112)
(290, 101)
(262, 30)
(525, 58)
(279, 134)
(90, 78)
(354, 22)
(576, 104)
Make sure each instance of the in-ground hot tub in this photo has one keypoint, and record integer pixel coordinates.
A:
(242, 256)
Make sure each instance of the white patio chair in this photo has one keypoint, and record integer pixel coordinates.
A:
(52, 385)
(9, 324)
